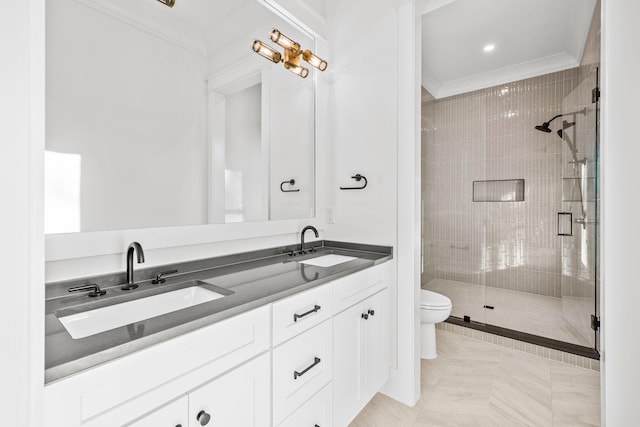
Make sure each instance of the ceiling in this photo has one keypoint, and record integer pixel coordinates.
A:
(531, 37)
(202, 26)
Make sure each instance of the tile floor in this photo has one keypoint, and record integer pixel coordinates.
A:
(478, 384)
(535, 314)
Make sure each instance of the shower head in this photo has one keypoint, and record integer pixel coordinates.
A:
(544, 127)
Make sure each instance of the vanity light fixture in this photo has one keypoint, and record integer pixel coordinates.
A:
(169, 3)
(292, 54)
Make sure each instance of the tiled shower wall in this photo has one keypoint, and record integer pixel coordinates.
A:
(489, 135)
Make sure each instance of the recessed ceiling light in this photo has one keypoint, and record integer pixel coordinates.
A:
(489, 47)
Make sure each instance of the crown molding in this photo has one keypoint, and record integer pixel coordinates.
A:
(525, 70)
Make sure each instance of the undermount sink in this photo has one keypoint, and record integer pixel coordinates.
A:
(92, 322)
(328, 260)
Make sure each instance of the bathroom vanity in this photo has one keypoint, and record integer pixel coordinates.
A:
(293, 340)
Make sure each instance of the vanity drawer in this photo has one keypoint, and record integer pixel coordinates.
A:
(354, 288)
(318, 411)
(301, 312)
(301, 367)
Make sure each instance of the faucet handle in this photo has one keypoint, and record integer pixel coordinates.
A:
(160, 277)
(94, 288)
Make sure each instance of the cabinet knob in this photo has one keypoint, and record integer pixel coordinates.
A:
(371, 312)
(203, 418)
(178, 425)
(365, 316)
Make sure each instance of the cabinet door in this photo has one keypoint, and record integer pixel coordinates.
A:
(360, 356)
(173, 414)
(239, 398)
(376, 340)
(348, 333)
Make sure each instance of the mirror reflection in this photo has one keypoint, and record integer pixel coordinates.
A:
(161, 116)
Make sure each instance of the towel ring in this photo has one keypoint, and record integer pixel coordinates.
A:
(290, 182)
(358, 178)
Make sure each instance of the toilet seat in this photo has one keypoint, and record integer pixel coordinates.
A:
(433, 301)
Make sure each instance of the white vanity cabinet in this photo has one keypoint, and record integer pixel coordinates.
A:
(360, 351)
(315, 358)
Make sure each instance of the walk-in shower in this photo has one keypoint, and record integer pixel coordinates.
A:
(510, 214)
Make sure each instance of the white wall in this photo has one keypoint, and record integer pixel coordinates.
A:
(372, 105)
(21, 219)
(133, 106)
(620, 157)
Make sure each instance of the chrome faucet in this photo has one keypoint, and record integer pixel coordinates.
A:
(133, 247)
(308, 227)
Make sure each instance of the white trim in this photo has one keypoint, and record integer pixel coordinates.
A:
(80, 245)
(36, 255)
(404, 382)
(22, 42)
(427, 6)
(293, 11)
(512, 73)
(224, 80)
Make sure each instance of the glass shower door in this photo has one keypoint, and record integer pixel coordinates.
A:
(454, 139)
(578, 221)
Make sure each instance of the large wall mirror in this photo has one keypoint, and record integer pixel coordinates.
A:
(165, 117)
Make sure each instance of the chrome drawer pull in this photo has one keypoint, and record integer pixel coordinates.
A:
(297, 316)
(297, 374)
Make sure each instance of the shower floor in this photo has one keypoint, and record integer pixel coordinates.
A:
(534, 314)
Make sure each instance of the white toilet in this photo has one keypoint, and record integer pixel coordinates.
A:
(434, 308)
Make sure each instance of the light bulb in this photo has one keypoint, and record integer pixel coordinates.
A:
(314, 60)
(265, 51)
(297, 69)
(284, 41)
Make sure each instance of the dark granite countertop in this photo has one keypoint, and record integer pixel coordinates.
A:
(254, 279)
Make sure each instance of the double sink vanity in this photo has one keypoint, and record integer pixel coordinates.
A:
(275, 337)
